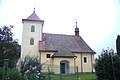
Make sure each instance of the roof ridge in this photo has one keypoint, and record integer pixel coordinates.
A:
(83, 42)
(86, 44)
(58, 34)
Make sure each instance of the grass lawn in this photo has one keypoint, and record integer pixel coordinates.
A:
(87, 76)
(82, 76)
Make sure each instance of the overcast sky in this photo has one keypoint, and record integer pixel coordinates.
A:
(98, 20)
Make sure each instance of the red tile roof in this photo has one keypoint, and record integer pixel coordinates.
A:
(63, 52)
(54, 42)
(33, 16)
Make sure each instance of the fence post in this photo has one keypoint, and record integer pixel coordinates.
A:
(5, 68)
(77, 72)
(49, 73)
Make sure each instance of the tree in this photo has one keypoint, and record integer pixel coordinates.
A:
(108, 66)
(118, 44)
(9, 48)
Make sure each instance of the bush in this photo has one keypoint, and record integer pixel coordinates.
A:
(31, 68)
(1, 73)
(13, 74)
(108, 66)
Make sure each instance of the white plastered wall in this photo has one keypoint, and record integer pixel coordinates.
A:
(26, 48)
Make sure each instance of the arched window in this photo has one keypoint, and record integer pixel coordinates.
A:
(31, 41)
(85, 60)
(32, 28)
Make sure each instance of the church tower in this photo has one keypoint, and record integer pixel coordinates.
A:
(31, 35)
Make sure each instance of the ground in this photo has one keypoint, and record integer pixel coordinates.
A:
(82, 76)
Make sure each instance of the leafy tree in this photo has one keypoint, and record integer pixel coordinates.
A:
(118, 44)
(108, 66)
(9, 48)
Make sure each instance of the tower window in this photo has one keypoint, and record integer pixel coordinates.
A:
(47, 55)
(31, 41)
(85, 59)
(32, 28)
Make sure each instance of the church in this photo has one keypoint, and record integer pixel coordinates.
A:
(56, 49)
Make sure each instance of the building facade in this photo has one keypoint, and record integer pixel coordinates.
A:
(56, 50)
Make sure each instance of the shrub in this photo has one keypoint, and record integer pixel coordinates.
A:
(13, 74)
(1, 73)
(31, 68)
(108, 66)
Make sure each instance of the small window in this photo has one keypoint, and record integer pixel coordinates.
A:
(32, 28)
(31, 41)
(48, 56)
(85, 59)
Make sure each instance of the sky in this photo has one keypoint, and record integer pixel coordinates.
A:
(98, 20)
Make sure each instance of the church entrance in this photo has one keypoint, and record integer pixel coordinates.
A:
(64, 66)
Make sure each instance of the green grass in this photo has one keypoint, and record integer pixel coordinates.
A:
(87, 76)
(82, 76)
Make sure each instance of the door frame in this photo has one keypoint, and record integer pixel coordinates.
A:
(65, 66)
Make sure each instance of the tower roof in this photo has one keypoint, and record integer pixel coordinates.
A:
(33, 16)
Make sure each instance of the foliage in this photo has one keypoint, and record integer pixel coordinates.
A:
(9, 48)
(31, 68)
(1, 73)
(118, 44)
(11, 74)
(108, 66)
(14, 74)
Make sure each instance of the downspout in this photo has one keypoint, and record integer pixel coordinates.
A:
(40, 60)
(40, 57)
(75, 64)
(91, 63)
(81, 64)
